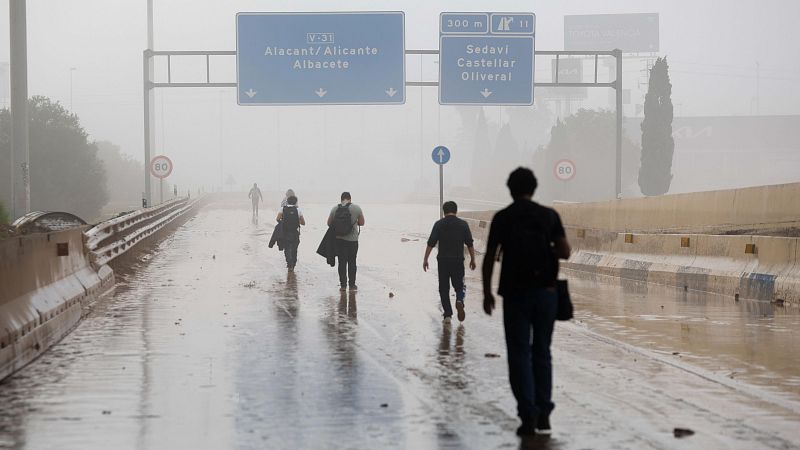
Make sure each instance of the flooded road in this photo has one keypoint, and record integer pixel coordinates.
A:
(211, 344)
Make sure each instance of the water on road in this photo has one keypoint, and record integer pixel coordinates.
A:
(210, 343)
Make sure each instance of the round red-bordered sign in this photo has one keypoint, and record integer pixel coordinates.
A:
(564, 170)
(161, 166)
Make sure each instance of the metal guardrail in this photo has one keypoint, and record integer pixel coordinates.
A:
(113, 238)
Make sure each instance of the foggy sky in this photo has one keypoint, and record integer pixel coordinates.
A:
(713, 48)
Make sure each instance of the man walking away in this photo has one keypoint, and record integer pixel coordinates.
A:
(530, 239)
(255, 197)
(452, 234)
(346, 218)
(291, 218)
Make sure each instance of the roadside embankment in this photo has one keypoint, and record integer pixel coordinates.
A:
(45, 282)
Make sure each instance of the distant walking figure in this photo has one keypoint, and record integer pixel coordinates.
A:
(451, 234)
(255, 197)
(530, 238)
(345, 219)
(285, 201)
(291, 218)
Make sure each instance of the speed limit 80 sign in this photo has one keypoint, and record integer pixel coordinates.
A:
(161, 166)
(564, 170)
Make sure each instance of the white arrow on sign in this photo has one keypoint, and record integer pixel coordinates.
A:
(441, 156)
(486, 93)
(391, 91)
(251, 93)
(321, 92)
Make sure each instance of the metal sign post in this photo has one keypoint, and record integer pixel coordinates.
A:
(440, 156)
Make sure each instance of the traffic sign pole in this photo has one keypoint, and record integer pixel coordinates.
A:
(161, 189)
(441, 190)
(440, 156)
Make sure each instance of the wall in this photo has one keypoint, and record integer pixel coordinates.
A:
(42, 294)
(756, 208)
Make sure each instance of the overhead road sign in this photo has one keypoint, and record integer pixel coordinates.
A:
(441, 155)
(486, 58)
(631, 33)
(320, 58)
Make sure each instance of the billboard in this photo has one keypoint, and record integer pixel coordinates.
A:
(570, 70)
(632, 33)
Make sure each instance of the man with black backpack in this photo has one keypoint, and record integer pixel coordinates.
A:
(346, 220)
(530, 239)
(291, 218)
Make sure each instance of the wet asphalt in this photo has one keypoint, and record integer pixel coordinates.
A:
(210, 343)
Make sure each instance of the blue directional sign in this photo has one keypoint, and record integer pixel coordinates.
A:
(441, 155)
(320, 58)
(486, 58)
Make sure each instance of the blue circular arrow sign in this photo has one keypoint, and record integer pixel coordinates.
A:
(441, 155)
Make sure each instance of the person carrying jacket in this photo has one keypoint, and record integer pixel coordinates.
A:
(291, 218)
(346, 218)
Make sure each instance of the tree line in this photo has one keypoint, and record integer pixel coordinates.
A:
(69, 171)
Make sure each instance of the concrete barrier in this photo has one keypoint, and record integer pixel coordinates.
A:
(751, 267)
(46, 281)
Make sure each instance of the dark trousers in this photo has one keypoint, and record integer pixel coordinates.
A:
(347, 251)
(529, 368)
(290, 252)
(451, 271)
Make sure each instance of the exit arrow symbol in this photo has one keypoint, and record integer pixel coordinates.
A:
(251, 93)
(441, 156)
(321, 92)
(390, 92)
(486, 93)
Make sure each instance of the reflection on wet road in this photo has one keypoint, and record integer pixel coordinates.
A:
(211, 344)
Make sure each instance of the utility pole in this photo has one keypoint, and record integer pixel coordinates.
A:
(620, 112)
(149, 103)
(20, 157)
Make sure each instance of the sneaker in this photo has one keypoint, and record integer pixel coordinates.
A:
(461, 313)
(543, 424)
(446, 320)
(527, 428)
(353, 287)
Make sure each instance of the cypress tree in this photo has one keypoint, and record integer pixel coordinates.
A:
(658, 146)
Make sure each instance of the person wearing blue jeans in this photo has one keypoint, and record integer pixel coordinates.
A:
(451, 235)
(530, 239)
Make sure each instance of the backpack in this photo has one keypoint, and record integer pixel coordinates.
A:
(529, 246)
(342, 221)
(291, 220)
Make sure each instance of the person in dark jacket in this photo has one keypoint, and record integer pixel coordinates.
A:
(531, 239)
(291, 218)
(451, 234)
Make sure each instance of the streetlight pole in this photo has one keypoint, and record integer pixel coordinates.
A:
(149, 102)
(20, 157)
